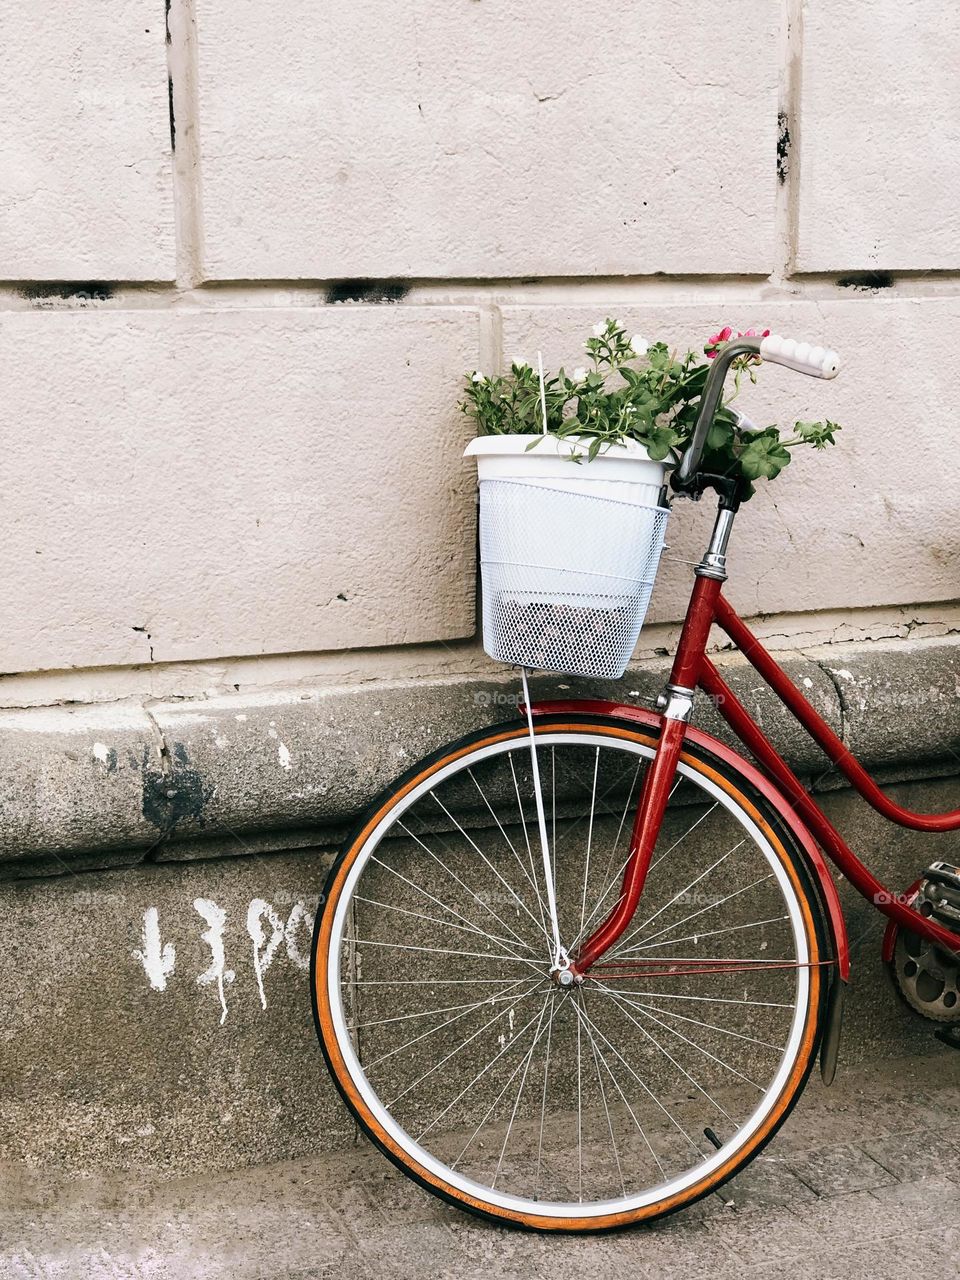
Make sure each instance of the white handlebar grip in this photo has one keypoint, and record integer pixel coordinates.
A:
(818, 362)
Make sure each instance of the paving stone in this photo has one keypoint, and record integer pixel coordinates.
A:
(838, 1171)
(930, 1153)
(349, 1216)
(830, 1222)
(765, 1184)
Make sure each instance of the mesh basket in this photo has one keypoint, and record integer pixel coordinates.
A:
(566, 576)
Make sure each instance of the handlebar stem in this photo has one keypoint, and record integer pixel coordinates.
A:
(709, 403)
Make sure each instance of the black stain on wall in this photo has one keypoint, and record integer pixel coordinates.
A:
(783, 147)
(68, 291)
(175, 794)
(173, 121)
(367, 291)
(866, 280)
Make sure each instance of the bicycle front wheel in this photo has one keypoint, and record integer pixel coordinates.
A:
(581, 1108)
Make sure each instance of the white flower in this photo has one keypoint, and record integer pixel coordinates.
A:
(520, 362)
(639, 345)
(479, 377)
(579, 375)
(600, 328)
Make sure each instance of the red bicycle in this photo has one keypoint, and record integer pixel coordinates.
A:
(572, 972)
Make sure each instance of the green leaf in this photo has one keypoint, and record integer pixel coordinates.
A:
(819, 434)
(764, 457)
(721, 434)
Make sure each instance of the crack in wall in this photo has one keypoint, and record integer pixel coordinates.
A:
(841, 698)
(173, 789)
(787, 159)
(182, 83)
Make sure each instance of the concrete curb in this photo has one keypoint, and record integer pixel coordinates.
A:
(116, 784)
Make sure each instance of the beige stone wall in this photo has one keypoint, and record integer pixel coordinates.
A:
(218, 474)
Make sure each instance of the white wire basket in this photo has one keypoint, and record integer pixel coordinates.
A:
(567, 576)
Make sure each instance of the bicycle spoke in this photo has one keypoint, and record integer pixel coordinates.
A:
(512, 1044)
(712, 933)
(516, 1105)
(526, 840)
(444, 906)
(543, 1102)
(497, 1100)
(613, 853)
(443, 866)
(710, 1026)
(506, 838)
(425, 1035)
(579, 1113)
(623, 948)
(703, 817)
(670, 1058)
(712, 906)
(441, 951)
(672, 995)
(586, 865)
(630, 1112)
(649, 1092)
(444, 924)
(603, 1097)
(617, 879)
(680, 1036)
(427, 1013)
(509, 888)
(427, 982)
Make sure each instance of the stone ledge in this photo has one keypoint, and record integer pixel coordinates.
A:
(101, 785)
(158, 1069)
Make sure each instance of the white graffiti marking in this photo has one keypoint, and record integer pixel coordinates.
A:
(263, 956)
(158, 961)
(158, 958)
(216, 918)
(299, 918)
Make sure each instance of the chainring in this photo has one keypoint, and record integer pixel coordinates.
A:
(927, 977)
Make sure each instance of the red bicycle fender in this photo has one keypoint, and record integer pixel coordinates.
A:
(758, 780)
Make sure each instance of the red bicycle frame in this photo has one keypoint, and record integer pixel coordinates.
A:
(692, 668)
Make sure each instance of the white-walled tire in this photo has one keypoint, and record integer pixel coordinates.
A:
(612, 1103)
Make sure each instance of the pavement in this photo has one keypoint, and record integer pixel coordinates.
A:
(864, 1180)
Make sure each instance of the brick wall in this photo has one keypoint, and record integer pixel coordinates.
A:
(231, 364)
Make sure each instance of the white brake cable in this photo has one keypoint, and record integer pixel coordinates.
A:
(560, 957)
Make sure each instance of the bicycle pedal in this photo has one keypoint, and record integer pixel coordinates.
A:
(927, 975)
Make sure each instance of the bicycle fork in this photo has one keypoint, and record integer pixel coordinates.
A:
(676, 703)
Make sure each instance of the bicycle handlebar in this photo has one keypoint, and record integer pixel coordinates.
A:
(818, 362)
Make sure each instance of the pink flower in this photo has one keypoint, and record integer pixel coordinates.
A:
(710, 350)
(713, 344)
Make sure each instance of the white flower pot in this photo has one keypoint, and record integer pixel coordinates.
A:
(568, 551)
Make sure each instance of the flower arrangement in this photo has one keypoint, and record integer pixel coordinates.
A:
(632, 390)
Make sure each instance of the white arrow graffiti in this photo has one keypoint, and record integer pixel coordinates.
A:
(158, 961)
